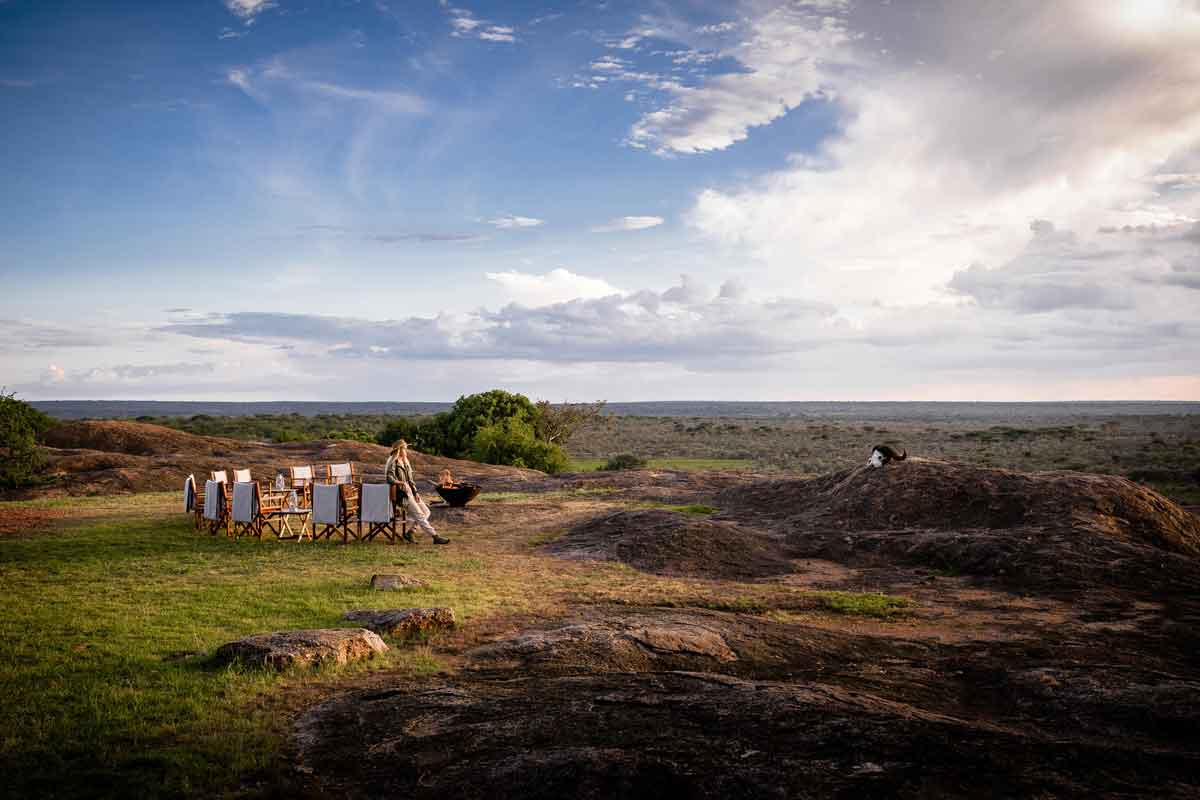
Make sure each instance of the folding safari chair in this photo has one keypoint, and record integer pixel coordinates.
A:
(252, 511)
(193, 500)
(340, 473)
(214, 506)
(380, 513)
(335, 509)
(241, 476)
(302, 478)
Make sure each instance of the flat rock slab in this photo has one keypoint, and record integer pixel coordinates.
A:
(404, 623)
(389, 583)
(285, 649)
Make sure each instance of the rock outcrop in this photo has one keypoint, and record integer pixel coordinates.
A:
(287, 649)
(404, 623)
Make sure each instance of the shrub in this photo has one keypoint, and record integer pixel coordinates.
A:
(21, 426)
(512, 441)
(625, 461)
(353, 434)
(476, 411)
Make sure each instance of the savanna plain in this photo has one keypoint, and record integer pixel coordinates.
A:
(1013, 611)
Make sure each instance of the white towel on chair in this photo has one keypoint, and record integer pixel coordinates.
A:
(376, 502)
(243, 502)
(213, 494)
(327, 499)
(189, 494)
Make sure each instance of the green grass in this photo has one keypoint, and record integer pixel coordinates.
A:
(593, 464)
(699, 509)
(104, 685)
(865, 604)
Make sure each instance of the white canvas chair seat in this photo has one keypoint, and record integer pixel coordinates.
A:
(241, 476)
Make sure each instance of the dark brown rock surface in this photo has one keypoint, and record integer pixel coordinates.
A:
(404, 623)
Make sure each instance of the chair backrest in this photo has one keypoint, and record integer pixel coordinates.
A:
(376, 503)
(302, 475)
(245, 501)
(219, 476)
(214, 500)
(340, 473)
(327, 504)
(241, 476)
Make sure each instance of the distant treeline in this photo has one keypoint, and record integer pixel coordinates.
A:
(285, 427)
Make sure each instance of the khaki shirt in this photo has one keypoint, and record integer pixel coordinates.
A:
(400, 472)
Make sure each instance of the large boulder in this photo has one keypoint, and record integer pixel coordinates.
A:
(286, 649)
(404, 623)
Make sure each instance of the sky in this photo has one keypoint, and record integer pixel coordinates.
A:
(580, 200)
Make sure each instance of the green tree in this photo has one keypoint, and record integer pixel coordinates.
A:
(557, 424)
(21, 427)
(476, 411)
(512, 441)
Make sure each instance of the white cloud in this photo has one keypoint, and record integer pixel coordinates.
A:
(787, 57)
(257, 83)
(628, 224)
(904, 193)
(557, 286)
(248, 10)
(398, 102)
(54, 374)
(515, 221)
(464, 24)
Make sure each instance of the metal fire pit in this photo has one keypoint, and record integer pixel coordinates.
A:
(459, 495)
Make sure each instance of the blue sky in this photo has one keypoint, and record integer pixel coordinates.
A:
(818, 199)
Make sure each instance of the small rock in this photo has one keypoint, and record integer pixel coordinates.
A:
(868, 768)
(404, 623)
(386, 583)
(285, 649)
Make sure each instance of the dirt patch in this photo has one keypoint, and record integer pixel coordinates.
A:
(674, 543)
(27, 520)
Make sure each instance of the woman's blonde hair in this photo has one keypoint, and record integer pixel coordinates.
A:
(398, 446)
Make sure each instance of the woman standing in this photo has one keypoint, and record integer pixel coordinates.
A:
(400, 476)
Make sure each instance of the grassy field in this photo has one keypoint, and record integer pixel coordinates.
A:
(105, 682)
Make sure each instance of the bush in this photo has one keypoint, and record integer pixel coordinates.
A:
(625, 461)
(21, 426)
(513, 442)
(477, 411)
(353, 434)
